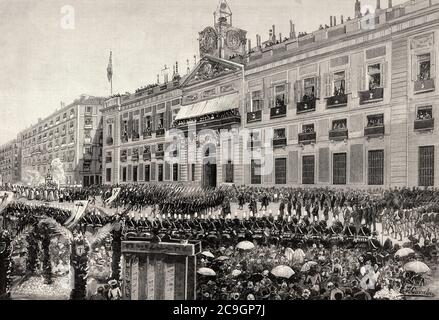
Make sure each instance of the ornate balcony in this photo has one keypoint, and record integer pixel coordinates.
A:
(123, 158)
(135, 157)
(254, 116)
(87, 156)
(307, 138)
(374, 131)
(370, 96)
(159, 154)
(337, 101)
(160, 132)
(278, 112)
(109, 141)
(306, 106)
(135, 136)
(338, 134)
(147, 134)
(424, 124)
(424, 85)
(108, 159)
(147, 156)
(279, 143)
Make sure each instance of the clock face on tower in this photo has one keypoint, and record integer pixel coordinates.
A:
(208, 40)
(233, 39)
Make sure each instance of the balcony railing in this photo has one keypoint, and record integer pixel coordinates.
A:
(307, 138)
(254, 116)
(337, 101)
(147, 156)
(147, 134)
(370, 96)
(424, 85)
(109, 141)
(424, 124)
(278, 112)
(108, 159)
(123, 158)
(338, 134)
(87, 156)
(159, 154)
(279, 142)
(135, 136)
(124, 138)
(374, 131)
(306, 106)
(160, 132)
(135, 157)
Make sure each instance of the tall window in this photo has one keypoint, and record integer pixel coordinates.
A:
(257, 101)
(280, 166)
(160, 121)
(136, 128)
(376, 167)
(339, 83)
(426, 166)
(160, 172)
(308, 163)
(147, 122)
(108, 174)
(339, 168)
(424, 113)
(255, 171)
(374, 75)
(279, 133)
(147, 172)
(124, 174)
(424, 66)
(193, 171)
(175, 171)
(135, 174)
(375, 120)
(280, 92)
(308, 128)
(110, 130)
(339, 124)
(228, 167)
(309, 87)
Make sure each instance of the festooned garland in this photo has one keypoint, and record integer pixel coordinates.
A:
(5, 264)
(79, 263)
(32, 252)
(116, 255)
(45, 234)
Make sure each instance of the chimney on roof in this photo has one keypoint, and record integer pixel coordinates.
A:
(274, 32)
(292, 30)
(158, 79)
(335, 21)
(188, 69)
(378, 4)
(259, 41)
(195, 60)
(249, 45)
(280, 36)
(330, 21)
(358, 9)
(176, 67)
(341, 19)
(390, 4)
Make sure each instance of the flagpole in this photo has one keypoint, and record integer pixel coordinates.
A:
(111, 86)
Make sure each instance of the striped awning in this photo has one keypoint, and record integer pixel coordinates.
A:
(211, 106)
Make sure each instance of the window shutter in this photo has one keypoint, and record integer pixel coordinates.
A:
(166, 121)
(361, 80)
(327, 77)
(141, 178)
(153, 118)
(384, 70)
(433, 64)
(348, 80)
(414, 68)
(248, 106)
(130, 125)
(318, 87)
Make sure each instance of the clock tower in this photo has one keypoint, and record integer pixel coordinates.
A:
(223, 40)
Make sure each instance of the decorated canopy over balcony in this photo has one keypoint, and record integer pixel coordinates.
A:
(211, 106)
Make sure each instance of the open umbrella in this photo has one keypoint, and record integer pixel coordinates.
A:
(289, 253)
(404, 252)
(206, 272)
(282, 272)
(208, 254)
(236, 273)
(299, 256)
(223, 258)
(245, 245)
(307, 266)
(416, 267)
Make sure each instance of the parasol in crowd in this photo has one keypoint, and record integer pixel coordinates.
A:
(236, 273)
(404, 252)
(206, 272)
(416, 267)
(282, 272)
(299, 256)
(289, 254)
(223, 258)
(245, 245)
(208, 254)
(307, 266)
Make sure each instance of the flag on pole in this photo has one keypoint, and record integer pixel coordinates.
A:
(115, 193)
(110, 68)
(76, 214)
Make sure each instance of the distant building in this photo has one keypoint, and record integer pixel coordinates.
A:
(10, 162)
(74, 135)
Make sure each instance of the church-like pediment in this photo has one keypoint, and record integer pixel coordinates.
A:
(210, 68)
